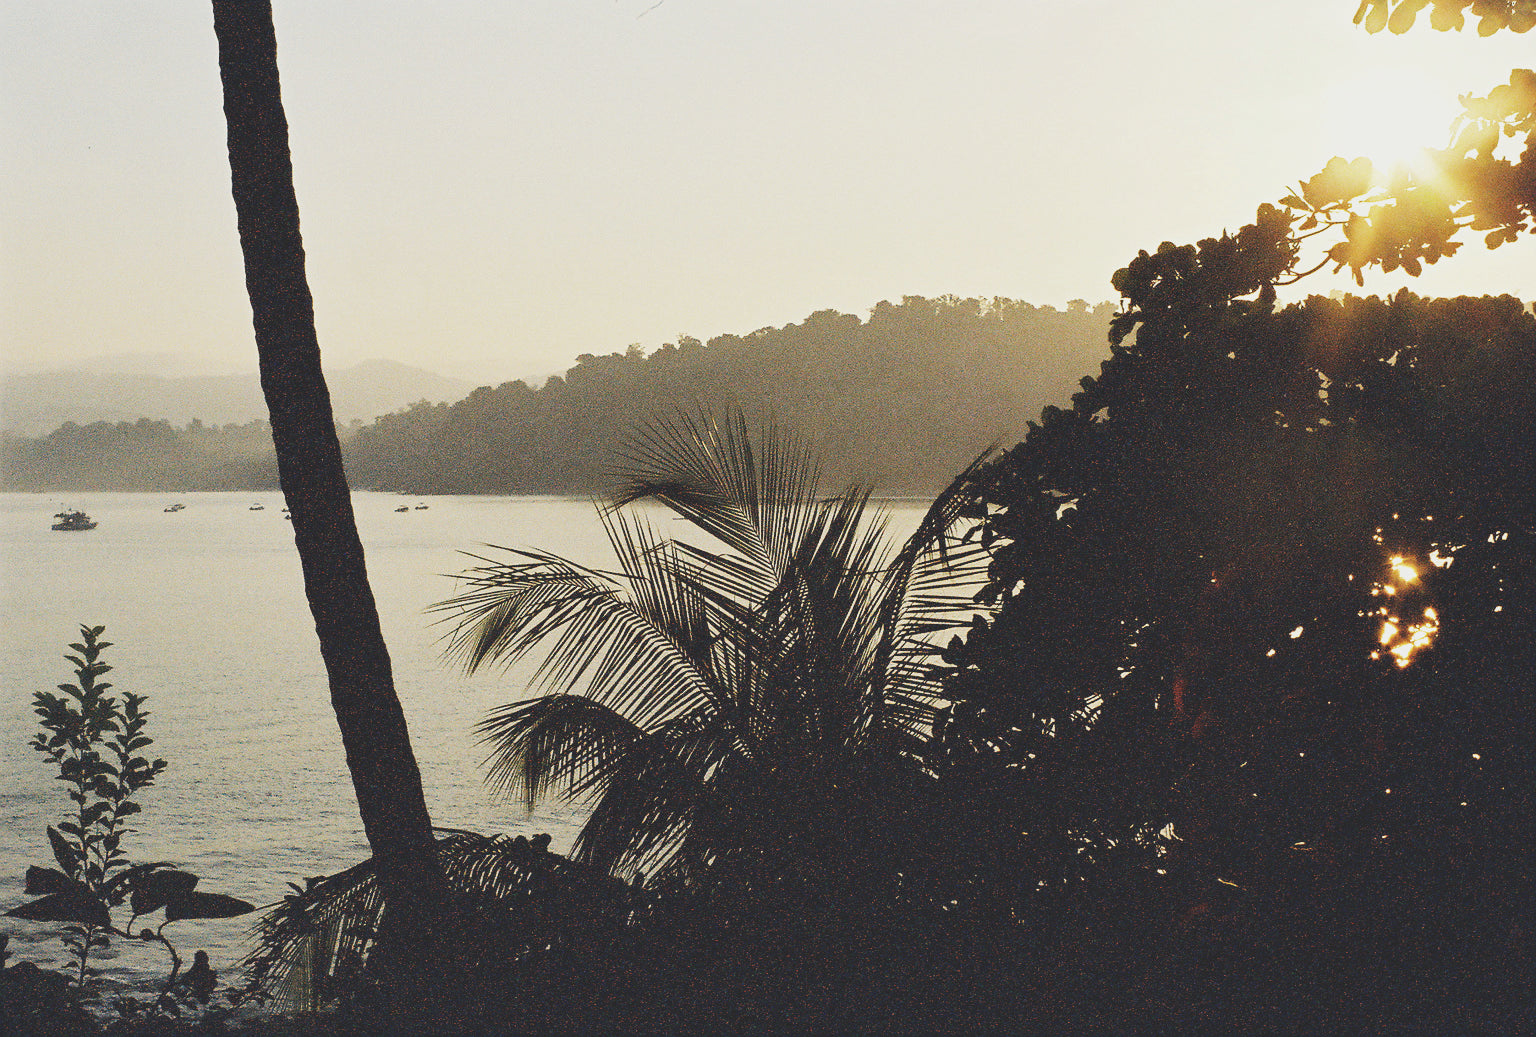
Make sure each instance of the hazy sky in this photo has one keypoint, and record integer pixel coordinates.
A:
(491, 187)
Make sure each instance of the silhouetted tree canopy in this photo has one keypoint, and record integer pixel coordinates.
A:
(1205, 616)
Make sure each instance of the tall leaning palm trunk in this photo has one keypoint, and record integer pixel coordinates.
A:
(373, 732)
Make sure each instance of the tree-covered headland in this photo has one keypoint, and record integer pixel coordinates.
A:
(141, 455)
(901, 400)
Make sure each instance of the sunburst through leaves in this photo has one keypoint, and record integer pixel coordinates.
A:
(1398, 637)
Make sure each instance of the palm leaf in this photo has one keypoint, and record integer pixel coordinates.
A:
(531, 899)
(654, 796)
(753, 497)
(930, 588)
(564, 742)
(591, 635)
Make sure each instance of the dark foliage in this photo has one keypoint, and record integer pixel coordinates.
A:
(1262, 661)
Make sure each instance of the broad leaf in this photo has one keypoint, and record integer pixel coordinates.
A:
(131, 876)
(63, 852)
(153, 891)
(41, 881)
(64, 907)
(206, 905)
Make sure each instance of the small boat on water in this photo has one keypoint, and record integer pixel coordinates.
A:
(174, 507)
(72, 521)
(256, 507)
(403, 507)
(421, 507)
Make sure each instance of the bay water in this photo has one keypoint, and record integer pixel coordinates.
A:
(206, 613)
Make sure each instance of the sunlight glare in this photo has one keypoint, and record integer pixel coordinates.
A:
(1400, 638)
(1388, 114)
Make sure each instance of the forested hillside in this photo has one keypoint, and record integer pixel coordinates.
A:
(32, 404)
(901, 400)
(141, 455)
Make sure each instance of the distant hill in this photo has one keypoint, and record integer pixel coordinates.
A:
(900, 400)
(33, 404)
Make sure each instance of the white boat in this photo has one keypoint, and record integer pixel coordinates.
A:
(73, 521)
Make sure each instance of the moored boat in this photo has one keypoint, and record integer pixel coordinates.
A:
(73, 521)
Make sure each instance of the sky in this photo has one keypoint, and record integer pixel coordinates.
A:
(490, 188)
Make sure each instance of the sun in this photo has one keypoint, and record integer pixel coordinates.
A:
(1389, 115)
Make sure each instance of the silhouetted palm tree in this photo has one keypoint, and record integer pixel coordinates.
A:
(378, 749)
(755, 701)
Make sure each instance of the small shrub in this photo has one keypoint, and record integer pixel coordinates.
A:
(94, 739)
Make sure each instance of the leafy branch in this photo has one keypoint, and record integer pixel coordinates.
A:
(1405, 219)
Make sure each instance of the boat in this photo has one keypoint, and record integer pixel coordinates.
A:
(404, 507)
(256, 507)
(174, 507)
(71, 521)
(421, 507)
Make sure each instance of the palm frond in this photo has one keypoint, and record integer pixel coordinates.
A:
(655, 795)
(706, 685)
(930, 587)
(319, 937)
(752, 494)
(511, 607)
(593, 637)
(313, 936)
(565, 742)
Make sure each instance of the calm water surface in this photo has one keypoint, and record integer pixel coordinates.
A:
(206, 613)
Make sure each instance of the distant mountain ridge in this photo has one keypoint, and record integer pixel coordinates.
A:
(900, 401)
(32, 404)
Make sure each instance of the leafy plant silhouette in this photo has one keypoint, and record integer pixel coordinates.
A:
(94, 740)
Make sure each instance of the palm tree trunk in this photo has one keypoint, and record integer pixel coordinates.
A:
(373, 732)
